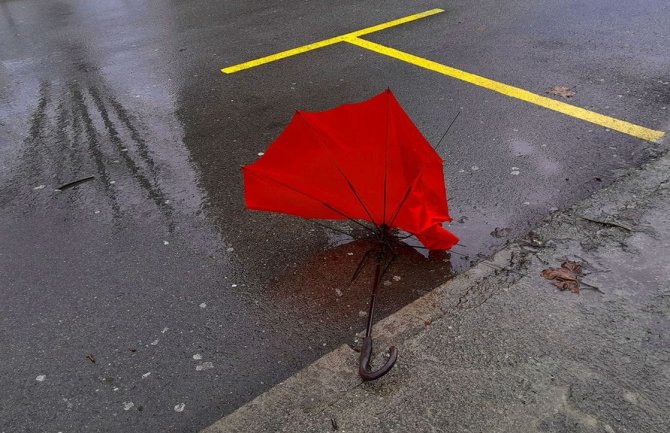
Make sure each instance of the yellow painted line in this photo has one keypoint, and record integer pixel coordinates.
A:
(515, 92)
(326, 42)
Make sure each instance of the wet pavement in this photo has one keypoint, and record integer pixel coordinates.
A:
(147, 299)
(501, 351)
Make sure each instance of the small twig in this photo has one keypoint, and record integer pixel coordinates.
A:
(75, 183)
(605, 223)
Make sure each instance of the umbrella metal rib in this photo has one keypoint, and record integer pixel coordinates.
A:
(337, 166)
(329, 206)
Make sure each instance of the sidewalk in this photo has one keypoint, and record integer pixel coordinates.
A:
(504, 350)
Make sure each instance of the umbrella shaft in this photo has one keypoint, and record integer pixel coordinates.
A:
(375, 286)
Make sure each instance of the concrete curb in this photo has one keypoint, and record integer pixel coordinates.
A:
(333, 375)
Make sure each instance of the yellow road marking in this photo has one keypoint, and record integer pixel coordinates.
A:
(326, 42)
(515, 92)
(505, 89)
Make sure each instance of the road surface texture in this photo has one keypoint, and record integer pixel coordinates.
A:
(147, 298)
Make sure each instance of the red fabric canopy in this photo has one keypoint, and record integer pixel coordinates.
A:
(364, 161)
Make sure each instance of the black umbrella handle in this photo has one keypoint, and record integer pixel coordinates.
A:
(364, 361)
(366, 351)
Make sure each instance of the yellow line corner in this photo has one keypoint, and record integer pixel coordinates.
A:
(326, 42)
(505, 89)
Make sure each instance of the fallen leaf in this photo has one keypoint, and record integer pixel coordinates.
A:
(563, 91)
(566, 277)
(559, 274)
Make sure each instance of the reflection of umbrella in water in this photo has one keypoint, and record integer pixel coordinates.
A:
(366, 163)
(320, 291)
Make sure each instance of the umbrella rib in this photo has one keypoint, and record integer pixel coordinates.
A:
(359, 267)
(404, 199)
(348, 217)
(334, 209)
(358, 197)
(401, 204)
(339, 169)
(445, 132)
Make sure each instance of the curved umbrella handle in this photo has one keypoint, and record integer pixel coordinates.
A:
(364, 361)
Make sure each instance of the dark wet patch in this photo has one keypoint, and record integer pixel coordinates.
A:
(320, 289)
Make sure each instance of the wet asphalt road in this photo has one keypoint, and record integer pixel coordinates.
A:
(147, 299)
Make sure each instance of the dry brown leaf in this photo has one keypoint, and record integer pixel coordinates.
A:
(559, 274)
(563, 91)
(566, 277)
(573, 286)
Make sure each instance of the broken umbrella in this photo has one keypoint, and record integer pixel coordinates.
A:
(366, 163)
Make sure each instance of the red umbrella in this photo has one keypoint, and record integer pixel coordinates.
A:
(364, 162)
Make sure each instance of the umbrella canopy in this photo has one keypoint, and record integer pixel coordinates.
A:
(362, 161)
